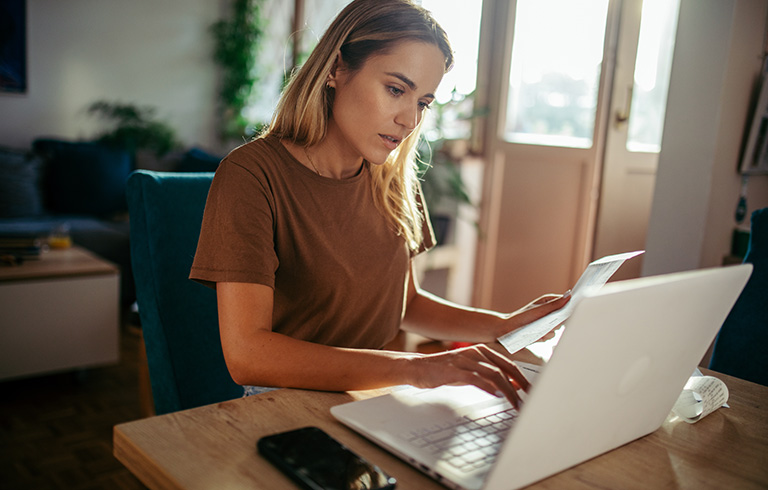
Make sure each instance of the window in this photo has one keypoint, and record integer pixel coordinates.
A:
(555, 74)
(454, 106)
(652, 67)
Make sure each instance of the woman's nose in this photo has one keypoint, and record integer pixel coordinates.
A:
(408, 117)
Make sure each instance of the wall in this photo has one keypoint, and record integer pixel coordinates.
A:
(150, 53)
(718, 56)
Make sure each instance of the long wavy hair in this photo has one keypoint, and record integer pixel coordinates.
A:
(363, 28)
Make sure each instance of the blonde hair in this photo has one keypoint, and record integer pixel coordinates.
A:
(362, 29)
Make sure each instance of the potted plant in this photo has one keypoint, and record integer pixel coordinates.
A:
(134, 129)
(444, 144)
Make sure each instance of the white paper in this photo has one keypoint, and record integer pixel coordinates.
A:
(701, 396)
(594, 277)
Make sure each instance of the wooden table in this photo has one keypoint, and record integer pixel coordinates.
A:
(215, 446)
(58, 312)
(57, 263)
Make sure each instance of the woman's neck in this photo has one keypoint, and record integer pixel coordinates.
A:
(332, 157)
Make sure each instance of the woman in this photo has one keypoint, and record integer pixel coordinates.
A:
(310, 229)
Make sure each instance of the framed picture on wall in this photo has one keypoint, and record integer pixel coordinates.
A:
(755, 157)
(13, 46)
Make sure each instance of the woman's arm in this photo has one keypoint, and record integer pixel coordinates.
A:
(437, 318)
(256, 355)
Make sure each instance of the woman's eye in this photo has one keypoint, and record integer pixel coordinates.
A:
(423, 105)
(395, 90)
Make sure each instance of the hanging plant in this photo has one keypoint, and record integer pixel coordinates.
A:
(236, 48)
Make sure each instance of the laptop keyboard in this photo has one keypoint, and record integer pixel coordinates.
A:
(465, 443)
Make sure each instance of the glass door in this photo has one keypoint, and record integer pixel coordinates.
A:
(636, 121)
(547, 66)
(561, 80)
(554, 79)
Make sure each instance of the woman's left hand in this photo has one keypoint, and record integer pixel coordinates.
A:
(544, 299)
(538, 308)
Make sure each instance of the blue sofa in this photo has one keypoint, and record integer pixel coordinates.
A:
(80, 185)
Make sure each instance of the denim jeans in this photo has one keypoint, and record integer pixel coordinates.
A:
(256, 390)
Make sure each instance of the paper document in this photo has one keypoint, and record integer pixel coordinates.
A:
(594, 277)
(701, 396)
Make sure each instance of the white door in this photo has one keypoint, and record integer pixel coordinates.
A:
(635, 124)
(549, 68)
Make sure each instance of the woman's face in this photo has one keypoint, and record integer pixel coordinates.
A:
(379, 105)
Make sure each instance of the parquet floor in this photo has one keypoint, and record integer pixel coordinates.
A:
(56, 430)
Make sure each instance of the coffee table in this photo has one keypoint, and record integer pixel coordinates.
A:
(57, 313)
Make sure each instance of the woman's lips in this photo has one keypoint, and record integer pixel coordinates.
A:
(389, 141)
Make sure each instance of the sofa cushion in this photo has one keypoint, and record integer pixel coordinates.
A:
(197, 160)
(84, 177)
(19, 184)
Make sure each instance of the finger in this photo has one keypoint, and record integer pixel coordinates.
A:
(476, 365)
(547, 336)
(499, 383)
(490, 379)
(510, 369)
(482, 354)
(538, 311)
(554, 332)
(546, 298)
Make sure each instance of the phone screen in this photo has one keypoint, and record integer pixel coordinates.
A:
(315, 460)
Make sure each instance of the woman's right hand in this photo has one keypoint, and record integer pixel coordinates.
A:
(477, 365)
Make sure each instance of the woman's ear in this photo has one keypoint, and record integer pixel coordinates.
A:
(338, 65)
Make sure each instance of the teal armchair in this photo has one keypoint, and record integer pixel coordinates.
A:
(178, 316)
(741, 345)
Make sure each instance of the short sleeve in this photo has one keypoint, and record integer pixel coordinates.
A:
(236, 241)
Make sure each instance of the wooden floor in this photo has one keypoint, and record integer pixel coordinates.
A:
(56, 430)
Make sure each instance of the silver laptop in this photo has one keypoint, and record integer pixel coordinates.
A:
(623, 359)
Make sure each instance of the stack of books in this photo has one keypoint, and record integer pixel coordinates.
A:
(18, 247)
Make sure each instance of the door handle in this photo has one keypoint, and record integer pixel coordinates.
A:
(622, 115)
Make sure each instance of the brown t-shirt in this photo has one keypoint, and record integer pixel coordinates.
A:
(337, 267)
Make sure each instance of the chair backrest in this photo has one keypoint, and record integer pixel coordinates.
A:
(178, 316)
(741, 345)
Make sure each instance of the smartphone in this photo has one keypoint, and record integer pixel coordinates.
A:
(315, 460)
